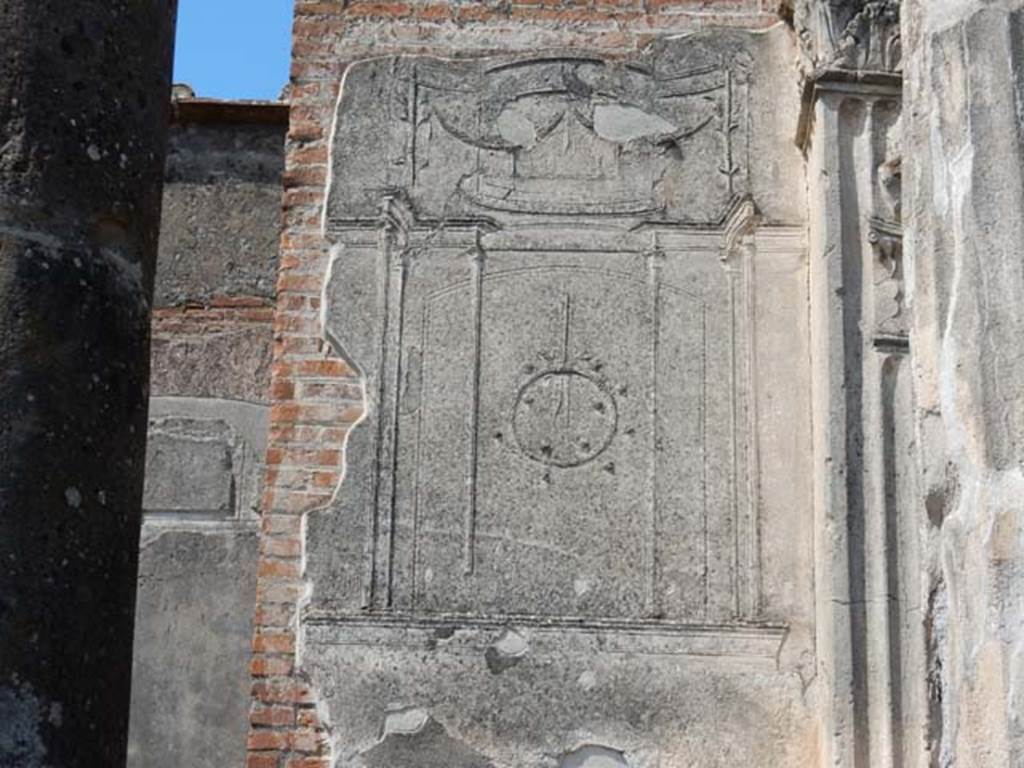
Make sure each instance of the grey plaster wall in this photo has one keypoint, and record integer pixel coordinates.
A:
(207, 436)
(190, 698)
(221, 212)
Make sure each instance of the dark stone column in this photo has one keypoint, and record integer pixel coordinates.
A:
(84, 97)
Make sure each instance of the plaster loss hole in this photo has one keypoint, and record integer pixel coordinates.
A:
(594, 756)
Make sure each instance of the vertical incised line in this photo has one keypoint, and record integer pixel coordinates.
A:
(373, 522)
(478, 175)
(402, 268)
(650, 539)
(566, 329)
(704, 456)
(469, 533)
(566, 403)
(414, 96)
(734, 445)
(752, 543)
(729, 170)
(419, 440)
(747, 132)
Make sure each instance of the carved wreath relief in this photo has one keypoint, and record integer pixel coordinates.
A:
(565, 415)
(557, 369)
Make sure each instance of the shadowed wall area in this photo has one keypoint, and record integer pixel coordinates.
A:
(83, 113)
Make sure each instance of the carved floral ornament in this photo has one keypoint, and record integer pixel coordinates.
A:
(857, 35)
(662, 138)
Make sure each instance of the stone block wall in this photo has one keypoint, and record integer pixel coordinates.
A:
(212, 344)
(317, 397)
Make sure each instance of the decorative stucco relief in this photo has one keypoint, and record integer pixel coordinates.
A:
(560, 281)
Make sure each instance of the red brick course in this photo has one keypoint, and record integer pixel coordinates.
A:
(317, 397)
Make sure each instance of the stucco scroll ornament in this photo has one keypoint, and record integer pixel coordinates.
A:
(842, 35)
(885, 233)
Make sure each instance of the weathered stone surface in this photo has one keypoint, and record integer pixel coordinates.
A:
(635, 135)
(204, 458)
(197, 582)
(648, 699)
(580, 313)
(84, 92)
(413, 737)
(211, 352)
(848, 35)
(221, 209)
(965, 180)
(481, 584)
(864, 469)
(189, 468)
(224, 357)
(869, 637)
(193, 633)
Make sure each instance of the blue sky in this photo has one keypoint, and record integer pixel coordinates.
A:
(233, 49)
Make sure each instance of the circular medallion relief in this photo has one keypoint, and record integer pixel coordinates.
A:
(564, 418)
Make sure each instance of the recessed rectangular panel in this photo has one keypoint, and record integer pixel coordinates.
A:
(565, 430)
(190, 469)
